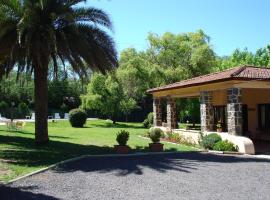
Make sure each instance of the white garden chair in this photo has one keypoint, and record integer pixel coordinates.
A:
(56, 116)
(66, 116)
(33, 116)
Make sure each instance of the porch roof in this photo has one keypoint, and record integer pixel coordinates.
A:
(244, 73)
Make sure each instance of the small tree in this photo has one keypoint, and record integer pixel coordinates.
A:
(127, 105)
(103, 94)
(23, 109)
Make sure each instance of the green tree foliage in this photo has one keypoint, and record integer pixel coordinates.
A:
(105, 94)
(244, 57)
(127, 105)
(181, 56)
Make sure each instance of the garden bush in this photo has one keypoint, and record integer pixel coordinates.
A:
(122, 137)
(148, 122)
(155, 134)
(77, 117)
(224, 146)
(210, 140)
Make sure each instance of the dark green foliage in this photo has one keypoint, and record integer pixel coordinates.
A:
(148, 122)
(155, 134)
(77, 117)
(64, 108)
(23, 109)
(3, 108)
(210, 140)
(122, 137)
(225, 146)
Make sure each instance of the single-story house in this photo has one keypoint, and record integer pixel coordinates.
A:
(237, 98)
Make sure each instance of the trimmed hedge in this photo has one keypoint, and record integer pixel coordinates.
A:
(77, 117)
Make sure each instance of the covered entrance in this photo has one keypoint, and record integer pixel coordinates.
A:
(238, 99)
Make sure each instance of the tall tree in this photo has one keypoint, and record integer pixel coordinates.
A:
(33, 33)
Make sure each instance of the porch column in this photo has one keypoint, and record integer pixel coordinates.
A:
(234, 109)
(157, 111)
(207, 111)
(171, 113)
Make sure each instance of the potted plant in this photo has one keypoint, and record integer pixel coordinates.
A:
(122, 138)
(219, 126)
(155, 135)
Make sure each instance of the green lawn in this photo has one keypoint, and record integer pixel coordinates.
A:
(19, 154)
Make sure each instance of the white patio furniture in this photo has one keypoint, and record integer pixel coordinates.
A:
(66, 116)
(33, 116)
(56, 116)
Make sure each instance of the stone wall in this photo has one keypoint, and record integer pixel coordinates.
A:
(171, 113)
(157, 112)
(207, 111)
(234, 109)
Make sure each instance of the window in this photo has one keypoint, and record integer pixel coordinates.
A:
(264, 116)
(220, 114)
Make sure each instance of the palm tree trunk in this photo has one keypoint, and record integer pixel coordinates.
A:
(41, 105)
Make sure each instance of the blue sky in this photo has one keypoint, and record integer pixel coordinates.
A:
(230, 24)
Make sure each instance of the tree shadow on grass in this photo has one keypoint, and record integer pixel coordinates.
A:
(25, 152)
(12, 193)
(24, 132)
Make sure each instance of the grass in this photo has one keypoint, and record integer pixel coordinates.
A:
(19, 155)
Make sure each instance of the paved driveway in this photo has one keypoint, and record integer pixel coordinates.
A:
(171, 176)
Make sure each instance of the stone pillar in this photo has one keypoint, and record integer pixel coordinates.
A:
(234, 109)
(157, 112)
(171, 113)
(207, 111)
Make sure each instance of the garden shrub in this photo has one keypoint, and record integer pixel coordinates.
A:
(155, 134)
(148, 122)
(122, 137)
(77, 117)
(150, 118)
(210, 140)
(225, 146)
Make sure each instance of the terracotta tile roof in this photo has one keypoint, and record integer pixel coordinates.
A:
(237, 73)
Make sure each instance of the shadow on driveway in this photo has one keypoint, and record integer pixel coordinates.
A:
(10, 193)
(122, 166)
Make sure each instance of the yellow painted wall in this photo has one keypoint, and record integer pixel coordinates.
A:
(253, 97)
(250, 97)
(220, 97)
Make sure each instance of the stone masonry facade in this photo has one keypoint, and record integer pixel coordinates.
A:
(171, 113)
(157, 112)
(207, 111)
(234, 109)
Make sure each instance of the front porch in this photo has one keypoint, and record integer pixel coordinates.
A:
(241, 107)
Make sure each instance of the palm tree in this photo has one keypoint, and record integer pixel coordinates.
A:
(34, 33)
